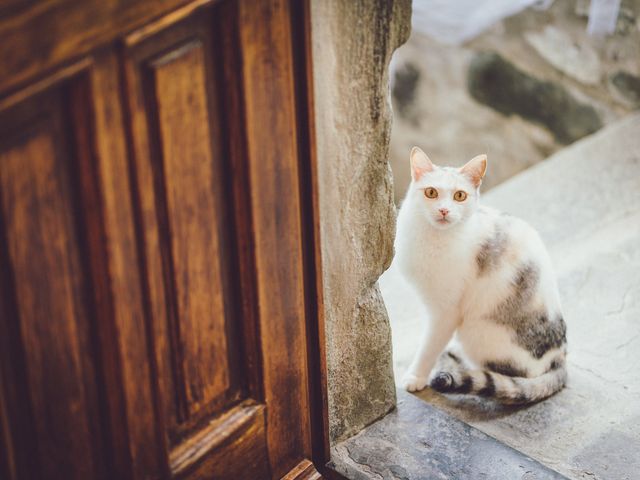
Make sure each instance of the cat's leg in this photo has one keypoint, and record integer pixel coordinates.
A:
(433, 342)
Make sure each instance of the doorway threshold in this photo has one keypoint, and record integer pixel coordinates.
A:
(419, 441)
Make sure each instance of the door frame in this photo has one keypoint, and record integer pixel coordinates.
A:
(307, 156)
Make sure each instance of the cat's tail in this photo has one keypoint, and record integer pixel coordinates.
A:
(503, 388)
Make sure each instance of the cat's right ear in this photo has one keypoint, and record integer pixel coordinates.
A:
(475, 169)
(420, 164)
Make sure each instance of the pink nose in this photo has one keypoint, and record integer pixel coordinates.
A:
(443, 211)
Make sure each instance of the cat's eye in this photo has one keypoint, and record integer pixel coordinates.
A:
(460, 196)
(430, 192)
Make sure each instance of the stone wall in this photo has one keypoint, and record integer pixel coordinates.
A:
(519, 92)
(352, 43)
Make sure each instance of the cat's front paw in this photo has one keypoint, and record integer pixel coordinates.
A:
(412, 383)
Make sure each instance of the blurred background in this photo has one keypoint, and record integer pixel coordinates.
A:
(516, 79)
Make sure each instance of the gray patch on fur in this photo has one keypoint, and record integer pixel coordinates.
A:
(525, 283)
(465, 386)
(489, 389)
(521, 397)
(454, 357)
(539, 335)
(555, 364)
(533, 330)
(506, 368)
(491, 250)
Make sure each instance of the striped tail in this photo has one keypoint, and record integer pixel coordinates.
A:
(503, 388)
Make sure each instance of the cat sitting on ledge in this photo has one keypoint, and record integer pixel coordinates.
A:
(496, 327)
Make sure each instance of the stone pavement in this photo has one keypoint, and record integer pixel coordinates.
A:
(416, 441)
(585, 202)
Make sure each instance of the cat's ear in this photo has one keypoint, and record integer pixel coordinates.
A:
(420, 163)
(475, 169)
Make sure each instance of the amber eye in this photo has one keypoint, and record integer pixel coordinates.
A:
(430, 192)
(460, 196)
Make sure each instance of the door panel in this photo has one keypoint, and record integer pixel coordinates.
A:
(48, 313)
(194, 219)
(182, 166)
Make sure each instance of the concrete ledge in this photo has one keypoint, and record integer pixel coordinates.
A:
(418, 441)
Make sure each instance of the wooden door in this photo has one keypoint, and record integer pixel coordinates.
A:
(156, 242)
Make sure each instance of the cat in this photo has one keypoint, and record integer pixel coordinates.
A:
(487, 279)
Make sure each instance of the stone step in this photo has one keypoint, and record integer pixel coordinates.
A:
(585, 202)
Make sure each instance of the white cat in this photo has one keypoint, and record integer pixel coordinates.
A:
(486, 278)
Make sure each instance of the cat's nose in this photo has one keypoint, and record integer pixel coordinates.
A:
(443, 211)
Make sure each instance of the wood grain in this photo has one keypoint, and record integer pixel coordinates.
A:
(193, 210)
(53, 306)
(305, 470)
(129, 369)
(229, 76)
(158, 236)
(273, 172)
(17, 420)
(41, 35)
(308, 161)
(219, 440)
(185, 211)
(7, 450)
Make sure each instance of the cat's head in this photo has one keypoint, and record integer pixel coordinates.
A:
(446, 196)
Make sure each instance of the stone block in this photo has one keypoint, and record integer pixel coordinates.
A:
(352, 43)
(496, 82)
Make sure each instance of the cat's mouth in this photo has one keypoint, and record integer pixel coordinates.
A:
(441, 222)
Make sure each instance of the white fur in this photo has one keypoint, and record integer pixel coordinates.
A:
(439, 260)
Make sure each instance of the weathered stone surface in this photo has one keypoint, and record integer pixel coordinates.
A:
(585, 202)
(579, 61)
(404, 89)
(497, 83)
(627, 17)
(627, 86)
(419, 442)
(352, 46)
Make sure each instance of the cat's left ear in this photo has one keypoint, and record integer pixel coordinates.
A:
(475, 169)
(420, 163)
